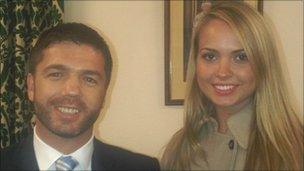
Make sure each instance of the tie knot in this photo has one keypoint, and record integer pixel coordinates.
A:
(66, 163)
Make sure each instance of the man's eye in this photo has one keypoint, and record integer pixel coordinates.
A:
(55, 75)
(90, 81)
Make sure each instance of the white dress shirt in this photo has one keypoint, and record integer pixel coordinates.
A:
(225, 151)
(47, 155)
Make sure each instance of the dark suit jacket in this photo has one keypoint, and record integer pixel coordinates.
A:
(105, 157)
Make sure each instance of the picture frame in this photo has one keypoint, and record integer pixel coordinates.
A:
(179, 17)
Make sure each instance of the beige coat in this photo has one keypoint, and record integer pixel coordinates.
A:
(225, 151)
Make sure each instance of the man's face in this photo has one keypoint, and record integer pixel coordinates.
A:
(68, 88)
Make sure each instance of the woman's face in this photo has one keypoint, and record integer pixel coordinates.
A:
(224, 73)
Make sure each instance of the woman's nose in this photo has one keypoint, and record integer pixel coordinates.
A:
(224, 69)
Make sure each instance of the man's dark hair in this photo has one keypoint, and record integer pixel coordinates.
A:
(72, 32)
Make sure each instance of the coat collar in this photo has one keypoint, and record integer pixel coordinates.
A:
(239, 125)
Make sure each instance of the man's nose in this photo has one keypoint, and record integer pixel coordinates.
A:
(72, 86)
(224, 69)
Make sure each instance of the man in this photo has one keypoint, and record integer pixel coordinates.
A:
(69, 73)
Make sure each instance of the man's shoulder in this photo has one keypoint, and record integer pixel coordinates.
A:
(20, 155)
(121, 159)
(9, 152)
(115, 151)
(14, 150)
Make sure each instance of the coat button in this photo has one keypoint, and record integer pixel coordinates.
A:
(231, 144)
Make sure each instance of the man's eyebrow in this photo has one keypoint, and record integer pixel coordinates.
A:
(90, 72)
(65, 68)
(56, 66)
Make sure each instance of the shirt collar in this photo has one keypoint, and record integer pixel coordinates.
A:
(84, 154)
(47, 155)
(239, 125)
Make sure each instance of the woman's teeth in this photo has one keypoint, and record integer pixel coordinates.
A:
(224, 87)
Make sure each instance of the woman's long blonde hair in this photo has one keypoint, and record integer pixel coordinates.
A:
(276, 139)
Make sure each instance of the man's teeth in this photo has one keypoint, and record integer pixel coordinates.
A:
(68, 110)
(224, 87)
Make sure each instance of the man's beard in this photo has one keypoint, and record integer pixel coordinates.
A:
(44, 112)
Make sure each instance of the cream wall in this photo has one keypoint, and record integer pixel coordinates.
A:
(135, 116)
(287, 16)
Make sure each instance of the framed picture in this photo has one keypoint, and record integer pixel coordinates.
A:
(179, 16)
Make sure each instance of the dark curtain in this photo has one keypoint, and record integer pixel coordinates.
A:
(21, 23)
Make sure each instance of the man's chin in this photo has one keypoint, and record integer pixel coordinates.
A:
(66, 134)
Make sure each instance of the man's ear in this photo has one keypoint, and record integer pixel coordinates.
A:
(30, 86)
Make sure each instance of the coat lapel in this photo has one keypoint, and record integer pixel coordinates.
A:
(24, 155)
(100, 159)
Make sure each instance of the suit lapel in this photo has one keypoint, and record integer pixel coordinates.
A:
(100, 159)
(26, 157)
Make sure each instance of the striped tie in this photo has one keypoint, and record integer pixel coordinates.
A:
(66, 163)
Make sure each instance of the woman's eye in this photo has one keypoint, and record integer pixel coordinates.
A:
(241, 57)
(209, 56)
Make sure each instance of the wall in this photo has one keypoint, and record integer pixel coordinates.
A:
(287, 16)
(135, 116)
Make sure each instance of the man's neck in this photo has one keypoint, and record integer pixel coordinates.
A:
(62, 144)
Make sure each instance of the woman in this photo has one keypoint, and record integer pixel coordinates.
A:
(238, 113)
